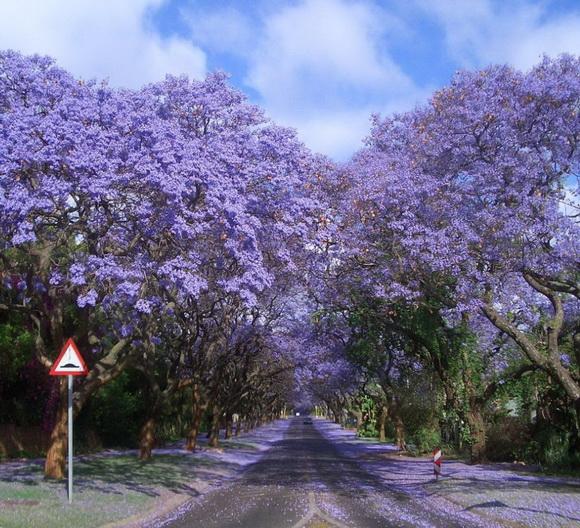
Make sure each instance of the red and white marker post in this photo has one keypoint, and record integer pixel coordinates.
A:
(437, 459)
(69, 363)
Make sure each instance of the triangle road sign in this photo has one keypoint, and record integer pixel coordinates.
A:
(69, 362)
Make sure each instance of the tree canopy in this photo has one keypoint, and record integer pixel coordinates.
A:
(177, 233)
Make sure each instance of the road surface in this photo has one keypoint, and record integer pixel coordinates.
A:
(305, 481)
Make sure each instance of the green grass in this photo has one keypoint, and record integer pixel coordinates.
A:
(106, 489)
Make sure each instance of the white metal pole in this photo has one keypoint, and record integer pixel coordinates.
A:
(70, 438)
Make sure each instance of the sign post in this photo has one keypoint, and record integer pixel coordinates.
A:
(69, 363)
(70, 437)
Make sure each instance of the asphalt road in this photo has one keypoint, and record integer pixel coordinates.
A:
(304, 481)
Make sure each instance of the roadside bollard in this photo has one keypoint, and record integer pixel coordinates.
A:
(437, 458)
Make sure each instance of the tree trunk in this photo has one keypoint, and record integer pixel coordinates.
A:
(147, 439)
(198, 408)
(477, 430)
(400, 433)
(215, 427)
(336, 414)
(229, 426)
(54, 465)
(381, 423)
(394, 411)
(238, 427)
(575, 439)
(191, 443)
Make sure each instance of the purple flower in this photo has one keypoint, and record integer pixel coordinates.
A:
(87, 299)
(143, 306)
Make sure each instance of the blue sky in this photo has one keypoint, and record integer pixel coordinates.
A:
(320, 66)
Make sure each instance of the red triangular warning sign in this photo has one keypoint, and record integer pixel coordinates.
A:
(69, 362)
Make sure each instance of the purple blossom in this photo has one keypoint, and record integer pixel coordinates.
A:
(127, 330)
(87, 299)
(143, 306)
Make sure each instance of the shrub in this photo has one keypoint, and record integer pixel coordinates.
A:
(115, 413)
(368, 430)
(426, 439)
(508, 439)
(554, 449)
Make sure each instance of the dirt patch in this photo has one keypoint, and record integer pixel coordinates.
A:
(15, 503)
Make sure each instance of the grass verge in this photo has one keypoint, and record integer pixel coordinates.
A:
(106, 489)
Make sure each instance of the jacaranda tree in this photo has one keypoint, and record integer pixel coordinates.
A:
(118, 204)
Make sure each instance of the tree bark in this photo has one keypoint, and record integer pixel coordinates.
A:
(198, 408)
(400, 433)
(238, 427)
(394, 412)
(229, 425)
(336, 414)
(477, 430)
(54, 465)
(194, 429)
(147, 439)
(381, 423)
(215, 427)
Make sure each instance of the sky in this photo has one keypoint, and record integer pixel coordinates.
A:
(320, 66)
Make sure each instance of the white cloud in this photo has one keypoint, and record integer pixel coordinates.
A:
(480, 32)
(98, 39)
(340, 132)
(336, 134)
(561, 35)
(322, 67)
(311, 52)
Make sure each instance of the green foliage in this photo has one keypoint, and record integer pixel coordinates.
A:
(368, 430)
(116, 412)
(368, 427)
(24, 383)
(426, 439)
(16, 348)
(176, 420)
(553, 449)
